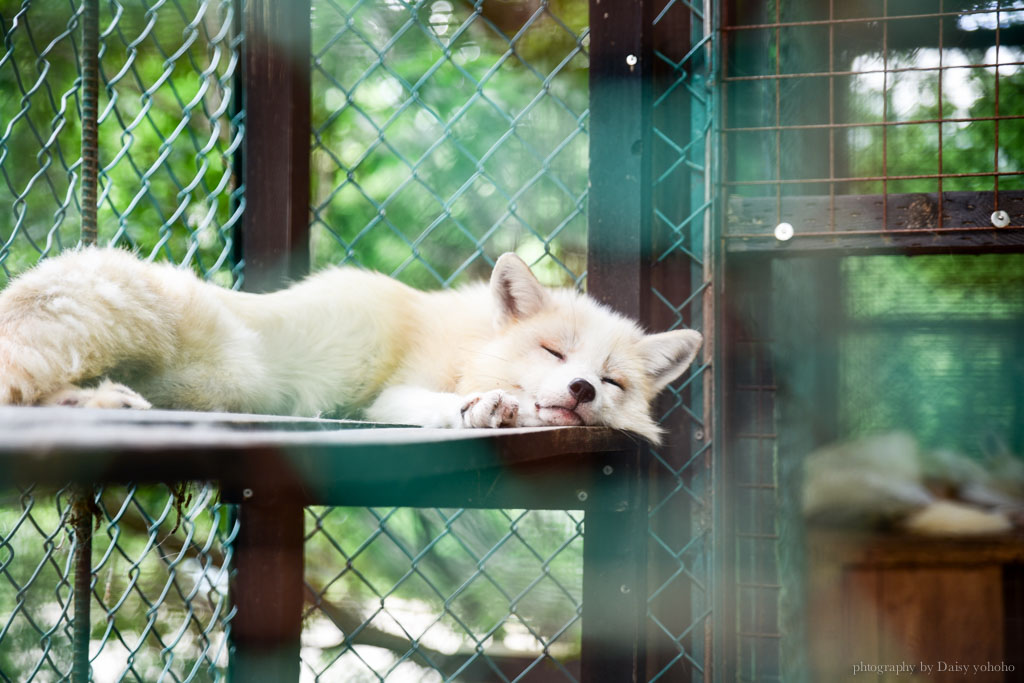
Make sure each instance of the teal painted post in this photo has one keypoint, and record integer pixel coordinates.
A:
(618, 274)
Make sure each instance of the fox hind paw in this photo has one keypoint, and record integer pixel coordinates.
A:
(107, 395)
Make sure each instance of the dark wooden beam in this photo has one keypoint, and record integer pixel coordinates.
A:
(276, 148)
(877, 223)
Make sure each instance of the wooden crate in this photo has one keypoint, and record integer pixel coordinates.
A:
(896, 599)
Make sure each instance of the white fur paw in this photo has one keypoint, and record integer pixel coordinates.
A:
(490, 409)
(107, 395)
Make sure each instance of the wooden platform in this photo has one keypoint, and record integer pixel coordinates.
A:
(273, 466)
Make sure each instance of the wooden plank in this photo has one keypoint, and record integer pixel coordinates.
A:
(945, 616)
(893, 550)
(529, 467)
(891, 598)
(276, 145)
(858, 639)
(858, 219)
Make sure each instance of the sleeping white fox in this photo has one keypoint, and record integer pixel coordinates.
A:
(509, 354)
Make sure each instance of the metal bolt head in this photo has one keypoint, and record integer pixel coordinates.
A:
(624, 589)
(1000, 218)
(699, 435)
(784, 232)
(247, 494)
(631, 60)
(582, 496)
(607, 469)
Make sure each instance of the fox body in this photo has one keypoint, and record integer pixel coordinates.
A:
(507, 353)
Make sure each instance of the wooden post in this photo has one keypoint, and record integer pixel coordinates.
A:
(266, 587)
(619, 274)
(275, 224)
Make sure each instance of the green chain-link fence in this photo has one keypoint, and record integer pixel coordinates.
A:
(447, 133)
(444, 133)
(167, 127)
(680, 604)
(159, 584)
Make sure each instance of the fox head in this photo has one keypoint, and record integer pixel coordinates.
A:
(572, 361)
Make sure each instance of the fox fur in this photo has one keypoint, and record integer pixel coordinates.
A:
(99, 327)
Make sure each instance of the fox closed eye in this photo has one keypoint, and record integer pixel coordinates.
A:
(554, 353)
(609, 380)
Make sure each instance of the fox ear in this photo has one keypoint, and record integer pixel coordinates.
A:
(516, 291)
(667, 354)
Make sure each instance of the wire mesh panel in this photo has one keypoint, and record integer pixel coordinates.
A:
(680, 605)
(159, 574)
(168, 129)
(167, 124)
(881, 116)
(879, 126)
(408, 594)
(448, 131)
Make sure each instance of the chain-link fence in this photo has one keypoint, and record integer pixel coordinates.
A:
(420, 595)
(681, 601)
(168, 128)
(446, 133)
(443, 134)
(159, 583)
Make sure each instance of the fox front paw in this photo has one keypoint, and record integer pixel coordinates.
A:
(107, 395)
(490, 409)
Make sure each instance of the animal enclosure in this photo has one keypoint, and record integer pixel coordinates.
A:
(254, 141)
(758, 171)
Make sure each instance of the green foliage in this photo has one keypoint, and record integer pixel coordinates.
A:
(934, 347)
(968, 140)
(443, 131)
(166, 128)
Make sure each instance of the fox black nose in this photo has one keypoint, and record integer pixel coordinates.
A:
(582, 390)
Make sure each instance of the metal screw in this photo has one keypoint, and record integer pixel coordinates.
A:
(582, 496)
(631, 60)
(607, 469)
(784, 232)
(1000, 218)
(247, 494)
(699, 435)
(624, 589)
